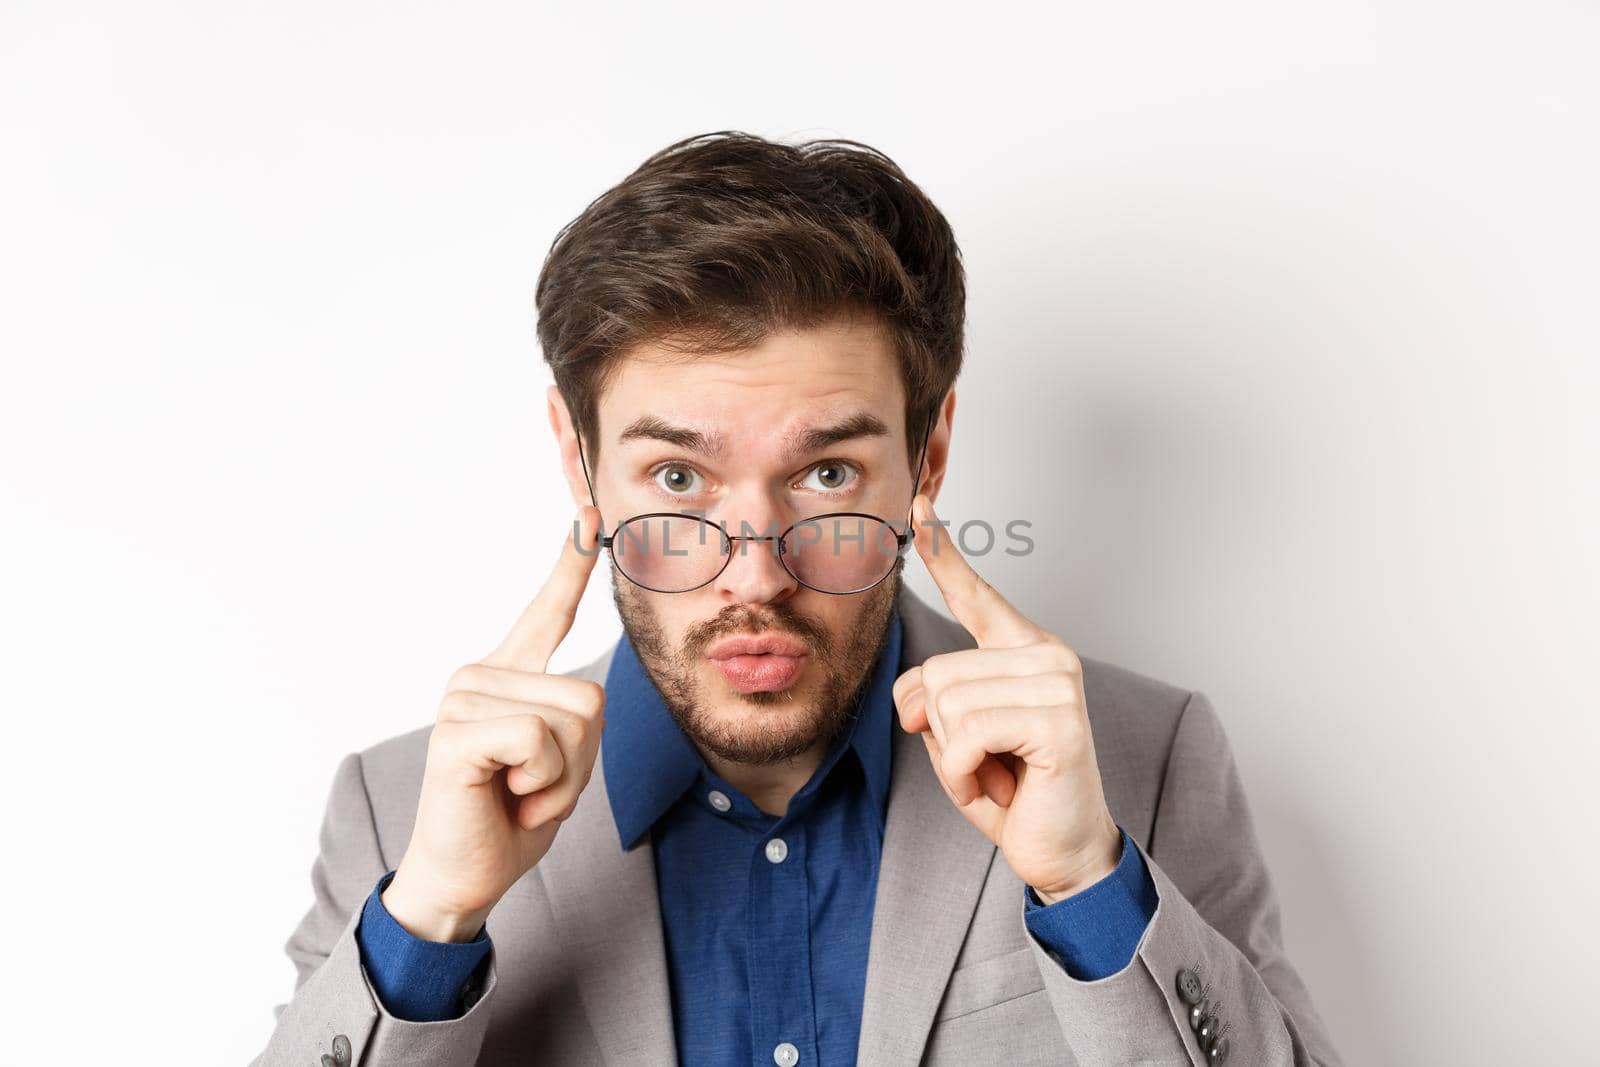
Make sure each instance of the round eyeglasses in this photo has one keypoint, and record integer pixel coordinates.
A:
(842, 552)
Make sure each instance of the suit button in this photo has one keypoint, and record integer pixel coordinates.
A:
(341, 1050)
(1218, 1052)
(1197, 1011)
(1208, 1031)
(1189, 986)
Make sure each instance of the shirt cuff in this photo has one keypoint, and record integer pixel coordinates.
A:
(417, 981)
(1094, 933)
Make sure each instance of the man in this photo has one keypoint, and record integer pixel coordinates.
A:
(795, 815)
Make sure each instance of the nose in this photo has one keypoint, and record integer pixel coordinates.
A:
(755, 575)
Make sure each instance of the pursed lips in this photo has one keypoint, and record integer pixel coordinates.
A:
(758, 663)
(757, 645)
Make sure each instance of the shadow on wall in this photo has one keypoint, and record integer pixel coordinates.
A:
(1151, 508)
(1327, 934)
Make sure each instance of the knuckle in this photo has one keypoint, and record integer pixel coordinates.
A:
(955, 700)
(593, 696)
(537, 731)
(465, 677)
(935, 672)
(966, 724)
(565, 725)
(578, 695)
(1064, 679)
(1063, 654)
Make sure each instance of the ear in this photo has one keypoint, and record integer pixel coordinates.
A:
(561, 425)
(938, 458)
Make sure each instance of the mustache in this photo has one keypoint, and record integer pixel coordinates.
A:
(744, 618)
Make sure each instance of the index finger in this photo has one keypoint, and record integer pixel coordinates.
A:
(976, 604)
(546, 620)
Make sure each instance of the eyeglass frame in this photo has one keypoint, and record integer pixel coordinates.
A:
(901, 539)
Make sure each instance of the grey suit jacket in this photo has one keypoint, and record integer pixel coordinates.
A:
(578, 971)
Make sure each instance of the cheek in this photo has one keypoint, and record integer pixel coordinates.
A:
(840, 614)
(681, 614)
(841, 617)
(672, 617)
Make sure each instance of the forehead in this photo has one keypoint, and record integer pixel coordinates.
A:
(790, 381)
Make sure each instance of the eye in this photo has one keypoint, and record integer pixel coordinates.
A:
(831, 475)
(677, 479)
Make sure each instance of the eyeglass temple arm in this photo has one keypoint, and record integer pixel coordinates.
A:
(605, 538)
(911, 531)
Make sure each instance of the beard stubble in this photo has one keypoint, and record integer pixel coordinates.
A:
(846, 661)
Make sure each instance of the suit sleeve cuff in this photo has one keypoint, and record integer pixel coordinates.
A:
(417, 980)
(1094, 933)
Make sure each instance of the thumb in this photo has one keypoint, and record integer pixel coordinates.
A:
(909, 701)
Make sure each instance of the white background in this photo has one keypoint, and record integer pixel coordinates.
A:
(1282, 332)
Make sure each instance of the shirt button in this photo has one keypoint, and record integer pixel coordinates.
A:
(776, 851)
(786, 1055)
(719, 800)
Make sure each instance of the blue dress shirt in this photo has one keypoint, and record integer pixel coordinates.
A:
(767, 919)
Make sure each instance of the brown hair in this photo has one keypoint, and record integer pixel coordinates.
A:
(720, 239)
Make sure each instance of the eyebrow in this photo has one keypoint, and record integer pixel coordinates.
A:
(852, 428)
(813, 439)
(652, 428)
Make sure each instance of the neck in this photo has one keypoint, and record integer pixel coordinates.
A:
(772, 786)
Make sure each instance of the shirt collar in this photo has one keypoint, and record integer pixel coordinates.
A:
(649, 763)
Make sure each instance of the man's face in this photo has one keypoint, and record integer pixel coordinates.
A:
(749, 470)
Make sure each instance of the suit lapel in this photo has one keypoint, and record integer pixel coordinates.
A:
(608, 917)
(933, 868)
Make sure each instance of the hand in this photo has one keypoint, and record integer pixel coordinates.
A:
(511, 751)
(1007, 730)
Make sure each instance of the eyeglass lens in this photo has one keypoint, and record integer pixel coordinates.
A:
(830, 553)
